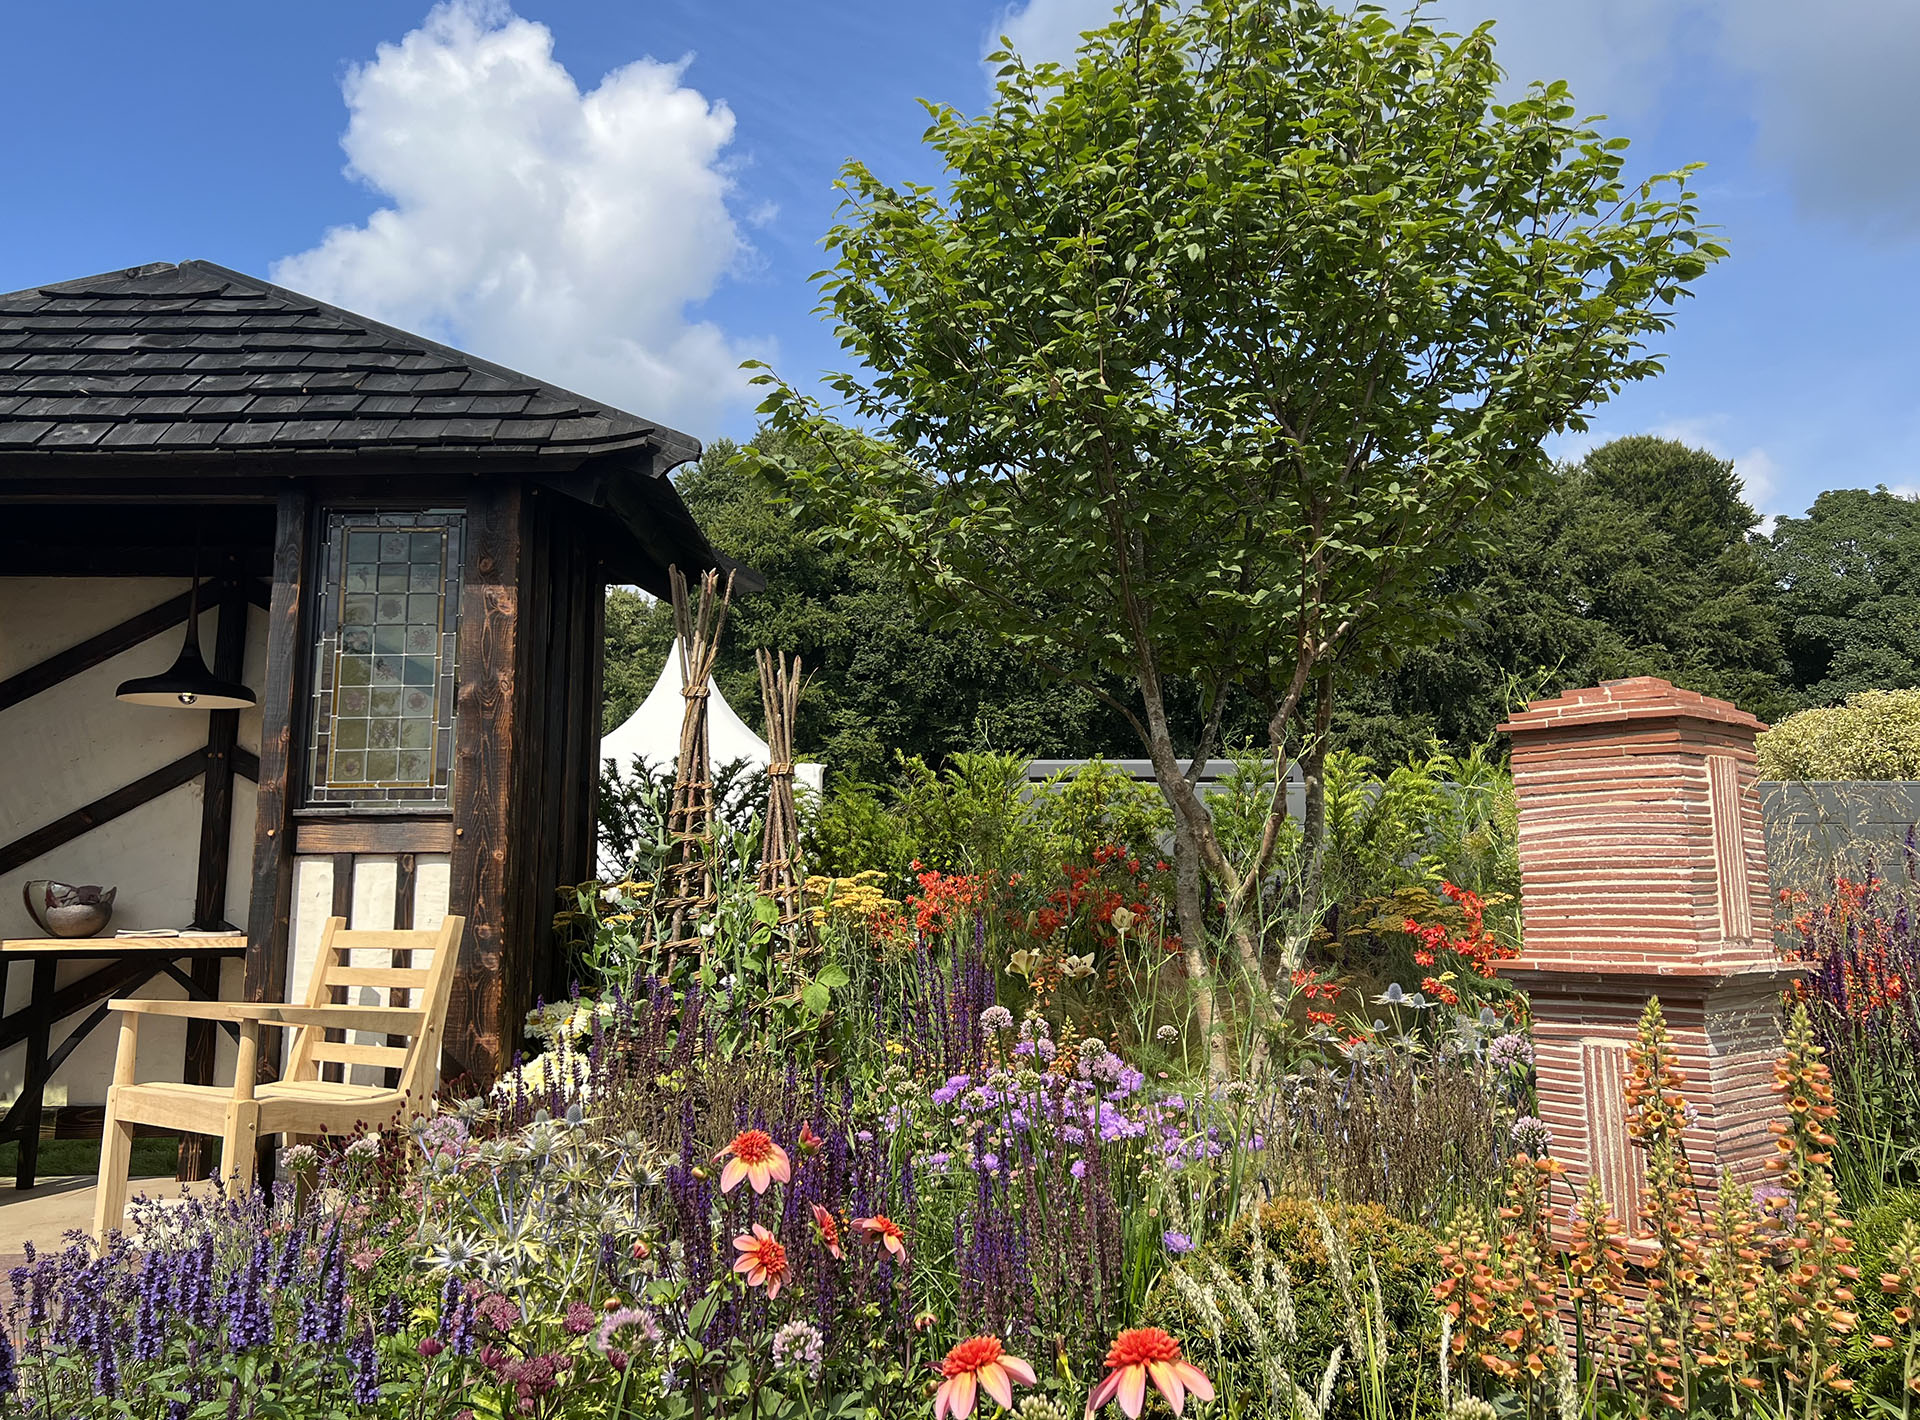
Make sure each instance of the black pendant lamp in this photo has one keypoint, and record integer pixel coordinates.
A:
(187, 684)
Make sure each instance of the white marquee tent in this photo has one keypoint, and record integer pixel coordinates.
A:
(653, 731)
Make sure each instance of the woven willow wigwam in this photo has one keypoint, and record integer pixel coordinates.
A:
(688, 882)
(780, 875)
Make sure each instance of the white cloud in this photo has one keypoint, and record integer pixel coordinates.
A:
(1048, 29)
(1827, 87)
(563, 233)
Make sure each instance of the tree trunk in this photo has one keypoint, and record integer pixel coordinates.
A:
(1190, 904)
(1313, 766)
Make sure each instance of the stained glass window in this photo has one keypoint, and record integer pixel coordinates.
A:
(389, 624)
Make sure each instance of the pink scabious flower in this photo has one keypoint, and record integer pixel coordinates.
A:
(752, 1156)
(619, 1320)
(1138, 1356)
(976, 1364)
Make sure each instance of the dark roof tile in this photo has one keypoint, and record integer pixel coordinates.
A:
(196, 357)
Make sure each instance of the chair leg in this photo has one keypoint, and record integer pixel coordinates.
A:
(110, 1190)
(237, 1142)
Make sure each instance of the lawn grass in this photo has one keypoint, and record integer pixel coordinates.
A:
(152, 1158)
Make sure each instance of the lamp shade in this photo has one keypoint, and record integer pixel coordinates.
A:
(187, 683)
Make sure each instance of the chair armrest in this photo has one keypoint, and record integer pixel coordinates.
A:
(389, 1020)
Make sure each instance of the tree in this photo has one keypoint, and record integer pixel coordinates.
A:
(878, 681)
(1639, 559)
(1849, 575)
(1213, 347)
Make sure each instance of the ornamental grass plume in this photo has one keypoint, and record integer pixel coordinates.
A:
(1147, 1354)
(754, 1158)
(976, 1364)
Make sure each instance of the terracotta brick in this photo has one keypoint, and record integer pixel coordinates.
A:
(1644, 873)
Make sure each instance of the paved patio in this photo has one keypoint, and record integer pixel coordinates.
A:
(43, 1214)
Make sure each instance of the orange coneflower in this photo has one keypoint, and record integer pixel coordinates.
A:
(885, 1231)
(762, 1259)
(976, 1364)
(829, 1230)
(1142, 1355)
(753, 1156)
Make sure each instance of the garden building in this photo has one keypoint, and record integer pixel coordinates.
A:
(394, 556)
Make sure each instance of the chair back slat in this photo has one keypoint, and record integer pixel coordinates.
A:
(394, 978)
(348, 1053)
(417, 1061)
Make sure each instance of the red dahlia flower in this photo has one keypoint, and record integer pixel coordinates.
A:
(1148, 1354)
(763, 1260)
(884, 1231)
(976, 1364)
(753, 1156)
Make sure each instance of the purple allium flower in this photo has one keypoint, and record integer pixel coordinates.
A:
(799, 1344)
(1177, 1243)
(995, 1019)
(1045, 1048)
(1530, 1136)
(1512, 1051)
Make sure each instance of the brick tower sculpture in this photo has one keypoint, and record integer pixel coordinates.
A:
(1644, 874)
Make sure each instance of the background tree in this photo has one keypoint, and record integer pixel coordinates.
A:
(1640, 559)
(879, 683)
(1213, 346)
(1849, 575)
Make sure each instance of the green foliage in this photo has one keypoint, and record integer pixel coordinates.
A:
(878, 681)
(1875, 735)
(979, 815)
(1331, 1296)
(1849, 574)
(1640, 559)
(1874, 1233)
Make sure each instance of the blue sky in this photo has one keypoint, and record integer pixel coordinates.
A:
(627, 195)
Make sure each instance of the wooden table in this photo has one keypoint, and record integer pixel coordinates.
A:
(131, 963)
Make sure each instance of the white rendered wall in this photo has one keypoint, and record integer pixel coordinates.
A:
(73, 744)
(375, 897)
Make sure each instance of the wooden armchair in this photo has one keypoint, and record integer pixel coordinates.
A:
(302, 1103)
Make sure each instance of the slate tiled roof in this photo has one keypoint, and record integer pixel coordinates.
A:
(197, 359)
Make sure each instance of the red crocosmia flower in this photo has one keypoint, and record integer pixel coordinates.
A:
(829, 1230)
(1148, 1354)
(976, 1364)
(762, 1258)
(884, 1231)
(753, 1156)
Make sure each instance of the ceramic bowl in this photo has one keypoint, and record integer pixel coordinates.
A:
(69, 909)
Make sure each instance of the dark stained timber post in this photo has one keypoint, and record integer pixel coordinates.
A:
(485, 708)
(281, 702)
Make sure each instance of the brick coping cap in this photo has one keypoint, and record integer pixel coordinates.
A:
(1531, 974)
(1643, 697)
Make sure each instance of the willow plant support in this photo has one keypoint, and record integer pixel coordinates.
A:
(780, 875)
(689, 881)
